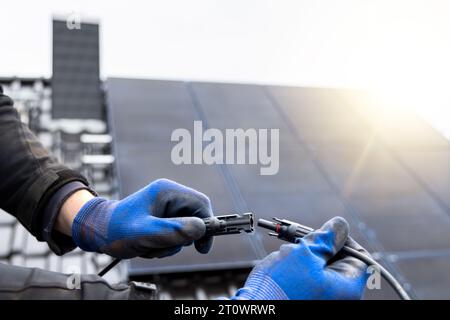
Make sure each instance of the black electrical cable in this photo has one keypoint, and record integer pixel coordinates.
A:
(290, 231)
(109, 267)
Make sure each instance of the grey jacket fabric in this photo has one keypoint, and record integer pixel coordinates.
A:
(36, 284)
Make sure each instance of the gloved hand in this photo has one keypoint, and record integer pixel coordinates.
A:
(156, 221)
(309, 269)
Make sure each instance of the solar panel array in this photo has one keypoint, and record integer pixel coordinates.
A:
(76, 92)
(341, 153)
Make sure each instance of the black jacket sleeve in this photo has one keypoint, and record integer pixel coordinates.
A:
(29, 175)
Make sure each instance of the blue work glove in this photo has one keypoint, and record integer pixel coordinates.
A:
(309, 270)
(156, 221)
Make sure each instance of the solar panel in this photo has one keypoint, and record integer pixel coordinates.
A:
(334, 160)
(76, 90)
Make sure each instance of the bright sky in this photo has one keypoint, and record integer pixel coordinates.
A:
(399, 47)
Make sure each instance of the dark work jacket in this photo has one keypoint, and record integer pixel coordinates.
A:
(29, 175)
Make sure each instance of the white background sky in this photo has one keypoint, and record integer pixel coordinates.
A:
(397, 46)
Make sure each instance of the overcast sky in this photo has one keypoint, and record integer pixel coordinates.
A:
(396, 45)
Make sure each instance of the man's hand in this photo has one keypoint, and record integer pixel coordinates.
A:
(309, 270)
(156, 221)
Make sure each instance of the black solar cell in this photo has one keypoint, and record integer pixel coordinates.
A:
(435, 177)
(427, 273)
(403, 222)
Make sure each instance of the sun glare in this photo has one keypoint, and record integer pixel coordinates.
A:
(414, 79)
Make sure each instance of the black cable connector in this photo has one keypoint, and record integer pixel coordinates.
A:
(291, 232)
(229, 224)
(215, 226)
